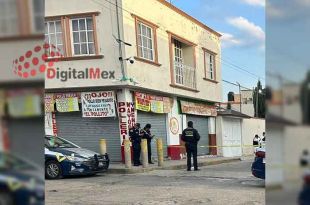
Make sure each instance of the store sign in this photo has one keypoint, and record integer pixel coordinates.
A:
(174, 125)
(143, 102)
(98, 104)
(168, 103)
(50, 124)
(127, 117)
(198, 109)
(67, 95)
(157, 104)
(49, 102)
(152, 103)
(24, 104)
(70, 104)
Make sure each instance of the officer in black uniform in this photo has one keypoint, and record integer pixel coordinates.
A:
(146, 134)
(135, 138)
(191, 137)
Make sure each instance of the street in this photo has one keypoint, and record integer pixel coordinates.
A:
(230, 183)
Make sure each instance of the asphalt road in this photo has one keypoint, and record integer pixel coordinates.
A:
(230, 183)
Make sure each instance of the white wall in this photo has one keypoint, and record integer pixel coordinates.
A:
(251, 127)
(107, 45)
(173, 139)
(159, 78)
(296, 140)
(274, 157)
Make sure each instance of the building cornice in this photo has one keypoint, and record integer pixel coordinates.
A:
(164, 2)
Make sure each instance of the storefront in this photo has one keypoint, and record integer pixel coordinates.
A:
(84, 118)
(22, 119)
(200, 113)
(153, 109)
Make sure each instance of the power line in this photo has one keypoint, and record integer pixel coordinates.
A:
(222, 61)
(235, 84)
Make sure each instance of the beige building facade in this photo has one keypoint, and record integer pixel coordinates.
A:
(162, 69)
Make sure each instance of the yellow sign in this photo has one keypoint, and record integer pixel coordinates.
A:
(67, 104)
(142, 102)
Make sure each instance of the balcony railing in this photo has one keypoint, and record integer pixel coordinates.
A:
(185, 75)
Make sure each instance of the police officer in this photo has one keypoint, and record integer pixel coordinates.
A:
(191, 137)
(146, 134)
(135, 138)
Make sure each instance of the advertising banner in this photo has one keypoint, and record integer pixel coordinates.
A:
(50, 124)
(152, 103)
(70, 104)
(157, 104)
(98, 104)
(198, 109)
(49, 102)
(168, 103)
(142, 102)
(27, 105)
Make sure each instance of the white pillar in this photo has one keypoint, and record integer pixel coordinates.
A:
(126, 112)
(211, 125)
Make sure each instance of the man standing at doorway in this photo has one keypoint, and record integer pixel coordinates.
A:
(146, 134)
(135, 138)
(191, 137)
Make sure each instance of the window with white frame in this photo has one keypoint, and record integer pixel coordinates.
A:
(53, 35)
(145, 41)
(83, 36)
(8, 18)
(210, 65)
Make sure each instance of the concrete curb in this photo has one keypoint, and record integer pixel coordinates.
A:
(170, 167)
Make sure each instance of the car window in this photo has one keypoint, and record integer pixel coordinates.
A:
(10, 162)
(57, 142)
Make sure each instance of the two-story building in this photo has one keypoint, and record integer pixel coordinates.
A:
(146, 62)
(21, 82)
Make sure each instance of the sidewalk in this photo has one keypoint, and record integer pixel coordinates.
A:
(170, 165)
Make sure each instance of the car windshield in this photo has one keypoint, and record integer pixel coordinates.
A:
(57, 142)
(11, 162)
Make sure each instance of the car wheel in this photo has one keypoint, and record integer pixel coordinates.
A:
(53, 170)
(6, 199)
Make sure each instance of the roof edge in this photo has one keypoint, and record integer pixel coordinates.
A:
(164, 2)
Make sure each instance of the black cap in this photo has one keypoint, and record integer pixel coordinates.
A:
(138, 125)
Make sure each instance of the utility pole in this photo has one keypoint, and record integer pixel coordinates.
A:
(119, 41)
(240, 96)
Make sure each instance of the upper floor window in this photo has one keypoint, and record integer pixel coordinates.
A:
(8, 18)
(37, 14)
(145, 42)
(53, 34)
(73, 35)
(210, 65)
(83, 36)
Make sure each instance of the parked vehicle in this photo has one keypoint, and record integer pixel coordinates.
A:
(64, 158)
(258, 166)
(20, 181)
(304, 196)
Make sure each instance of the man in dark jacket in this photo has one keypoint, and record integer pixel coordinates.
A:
(135, 138)
(146, 134)
(191, 137)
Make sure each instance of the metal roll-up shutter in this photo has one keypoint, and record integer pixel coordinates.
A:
(201, 124)
(26, 138)
(159, 128)
(86, 132)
